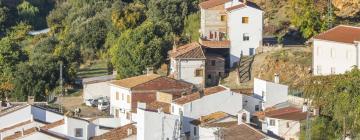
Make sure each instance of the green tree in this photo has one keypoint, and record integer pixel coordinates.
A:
(127, 16)
(192, 26)
(144, 46)
(27, 12)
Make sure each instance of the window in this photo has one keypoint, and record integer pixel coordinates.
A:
(211, 35)
(128, 115)
(195, 131)
(78, 132)
(287, 124)
(215, 34)
(318, 69)
(257, 108)
(117, 95)
(223, 17)
(198, 73)
(262, 94)
(332, 70)
(245, 20)
(129, 131)
(128, 98)
(209, 76)
(272, 122)
(246, 37)
(213, 62)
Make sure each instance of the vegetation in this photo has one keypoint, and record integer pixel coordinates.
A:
(338, 98)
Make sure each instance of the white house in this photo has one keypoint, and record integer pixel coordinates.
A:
(210, 100)
(96, 87)
(336, 51)
(126, 93)
(233, 24)
(283, 122)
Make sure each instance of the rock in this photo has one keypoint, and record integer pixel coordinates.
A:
(347, 8)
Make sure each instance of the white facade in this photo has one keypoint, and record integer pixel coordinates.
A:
(334, 57)
(225, 101)
(121, 106)
(245, 37)
(185, 69)
(96, 90)
(270, 93)
(150, 125)
(287, 129)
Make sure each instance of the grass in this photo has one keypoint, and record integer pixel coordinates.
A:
(95, 68)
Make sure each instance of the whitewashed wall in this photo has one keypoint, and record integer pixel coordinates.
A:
(237, 30)
(273, 93)
(44, 115)
(120, 104)
(96, 90)
(327, 55)
(187, 71)
(150, 125)
(291, 131)
(38, 136)
(226, 101)
(16, 117)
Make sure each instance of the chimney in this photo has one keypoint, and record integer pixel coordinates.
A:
(202, 94)
(149, 70)
(305, 107)
(129, 131)
(276, 78)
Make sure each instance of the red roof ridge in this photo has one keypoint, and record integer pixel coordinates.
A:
(352, 34)
(212, 3)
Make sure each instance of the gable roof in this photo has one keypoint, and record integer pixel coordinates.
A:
(207, 119)
(192, 97)
(242, 132)
(341, 33)
(191, 50)
(215, 44)
(248, 3)
(117, 133)
(287, 113)
(134, 81)
(212, 3)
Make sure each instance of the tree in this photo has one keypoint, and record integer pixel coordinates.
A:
(192, 26)
(128, 16)
(172, 12)
(27, 12)
(144, 46)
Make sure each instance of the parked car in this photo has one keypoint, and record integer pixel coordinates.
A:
(91, 102)
(103, 99)
(103, 106)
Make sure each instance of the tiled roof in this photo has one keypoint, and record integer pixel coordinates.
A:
(134, 81)
(117, 133)
(195, 96)
(247, 91)
(210, 118)
(287, 113)
(235, 7)
(341, 33)
(212, 3)
(154, 106)
(215, 44)
(248, 3)
(192, 50)
(53, 125)
(14, 126)
(242, 132)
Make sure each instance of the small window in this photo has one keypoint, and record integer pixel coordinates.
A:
(128, 115)
(211, 35)
(272, 122)
(262, 94)
(332, 70)
(245, 20)
(246, 37)
(117, 95)
(318, 69)
(195, 131)
(129, 131)
(78, 132)
(213, 62)
(257, 108)
(287, 124)
(209, 76)
(128, 98)
(215, 34)
(198, 73)
(223, 17)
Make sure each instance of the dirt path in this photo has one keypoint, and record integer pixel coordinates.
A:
(71, 103)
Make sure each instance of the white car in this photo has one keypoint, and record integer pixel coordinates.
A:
(88, 102)
(103, 106)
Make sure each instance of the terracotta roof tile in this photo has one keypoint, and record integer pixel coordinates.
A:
(235, 7)
(134, 81)
(117, 133)
(287, 113)
(53, 125)
(215, 44)
(246, 91)
(341, 33)
(18, 134)
(195, 96)
(210, 118)
(154, 106)
(242, 132)
(248, 3)
(192, 50)
(212, 3)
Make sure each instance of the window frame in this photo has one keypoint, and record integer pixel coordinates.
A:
(246, 37)
(199, 72)
(245, 20)
(128, 100)
(117, 96)
(79, 132)
(272, 122)
(223, 18)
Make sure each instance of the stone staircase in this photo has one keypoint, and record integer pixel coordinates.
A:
(244, 68)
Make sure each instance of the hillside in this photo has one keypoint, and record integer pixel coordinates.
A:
(292, 64)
